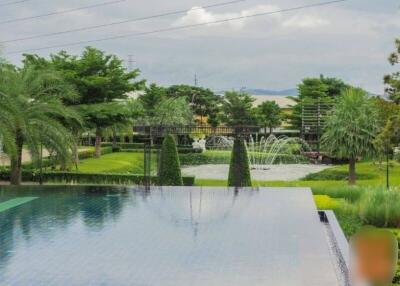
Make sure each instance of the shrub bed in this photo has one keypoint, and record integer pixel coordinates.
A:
(350, 193)
(336, 175)
(86, 178)
(224, 157)
(85, 154)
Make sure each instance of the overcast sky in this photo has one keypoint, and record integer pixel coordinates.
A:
(349, 40)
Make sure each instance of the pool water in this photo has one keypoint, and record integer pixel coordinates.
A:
(169, 236)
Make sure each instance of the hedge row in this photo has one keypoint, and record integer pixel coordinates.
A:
(124, 145)
(85, 178)
(180, 150)
(224, 158)
(85, 154)
(134, 146)
(336, 175)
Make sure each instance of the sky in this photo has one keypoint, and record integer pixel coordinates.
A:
(350, 40)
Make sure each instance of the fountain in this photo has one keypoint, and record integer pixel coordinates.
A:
(271, 158)
(266, 151)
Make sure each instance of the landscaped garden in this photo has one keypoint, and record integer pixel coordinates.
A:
(62, 122)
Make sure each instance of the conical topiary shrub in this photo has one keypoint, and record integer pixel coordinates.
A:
(239, 170)
(170, 169)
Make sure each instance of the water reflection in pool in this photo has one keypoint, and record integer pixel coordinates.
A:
(123, 236)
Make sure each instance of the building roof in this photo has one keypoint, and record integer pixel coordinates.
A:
(282, 101)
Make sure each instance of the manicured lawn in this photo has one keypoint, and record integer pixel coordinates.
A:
(376, 174)
(122, 162)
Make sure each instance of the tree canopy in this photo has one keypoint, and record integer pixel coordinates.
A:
(310, 89)
(269, 114)
(203, 101)
(97, 76)
(238, 109)
(158, 109)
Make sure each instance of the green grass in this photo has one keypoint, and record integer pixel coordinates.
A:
(373, 174)
(121, 162)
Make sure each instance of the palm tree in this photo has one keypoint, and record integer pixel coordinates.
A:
(351, 128)
(32, 115)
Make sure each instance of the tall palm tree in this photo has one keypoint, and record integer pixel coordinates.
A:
(33, 115)
(351, 129)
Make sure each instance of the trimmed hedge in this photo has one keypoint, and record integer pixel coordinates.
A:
(336, 175)
(86, 178)
(221, 157)
(86, 154)
(170, 168)
(239, 169)
(124, 145)
(180, 150)
(138, 147)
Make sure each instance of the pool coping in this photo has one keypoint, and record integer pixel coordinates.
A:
(338, 244)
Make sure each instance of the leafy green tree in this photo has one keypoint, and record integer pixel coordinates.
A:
(389, 136)
(170, 169)
(269, 115)
(312, 89)
(389, 118)
(238, 109)
(239, 169)
(393, 80)
(102, 116)
(152, 97)
(98, 77)
(32, 114)
(159, 109)
(352, 128)
(203, 101)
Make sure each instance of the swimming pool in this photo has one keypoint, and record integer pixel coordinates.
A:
(169, 236)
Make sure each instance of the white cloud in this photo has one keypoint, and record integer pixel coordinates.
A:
(198, 15)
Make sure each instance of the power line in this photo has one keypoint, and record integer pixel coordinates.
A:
(179, 27)
(119, 22)
(13, 3)
(58, 12)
